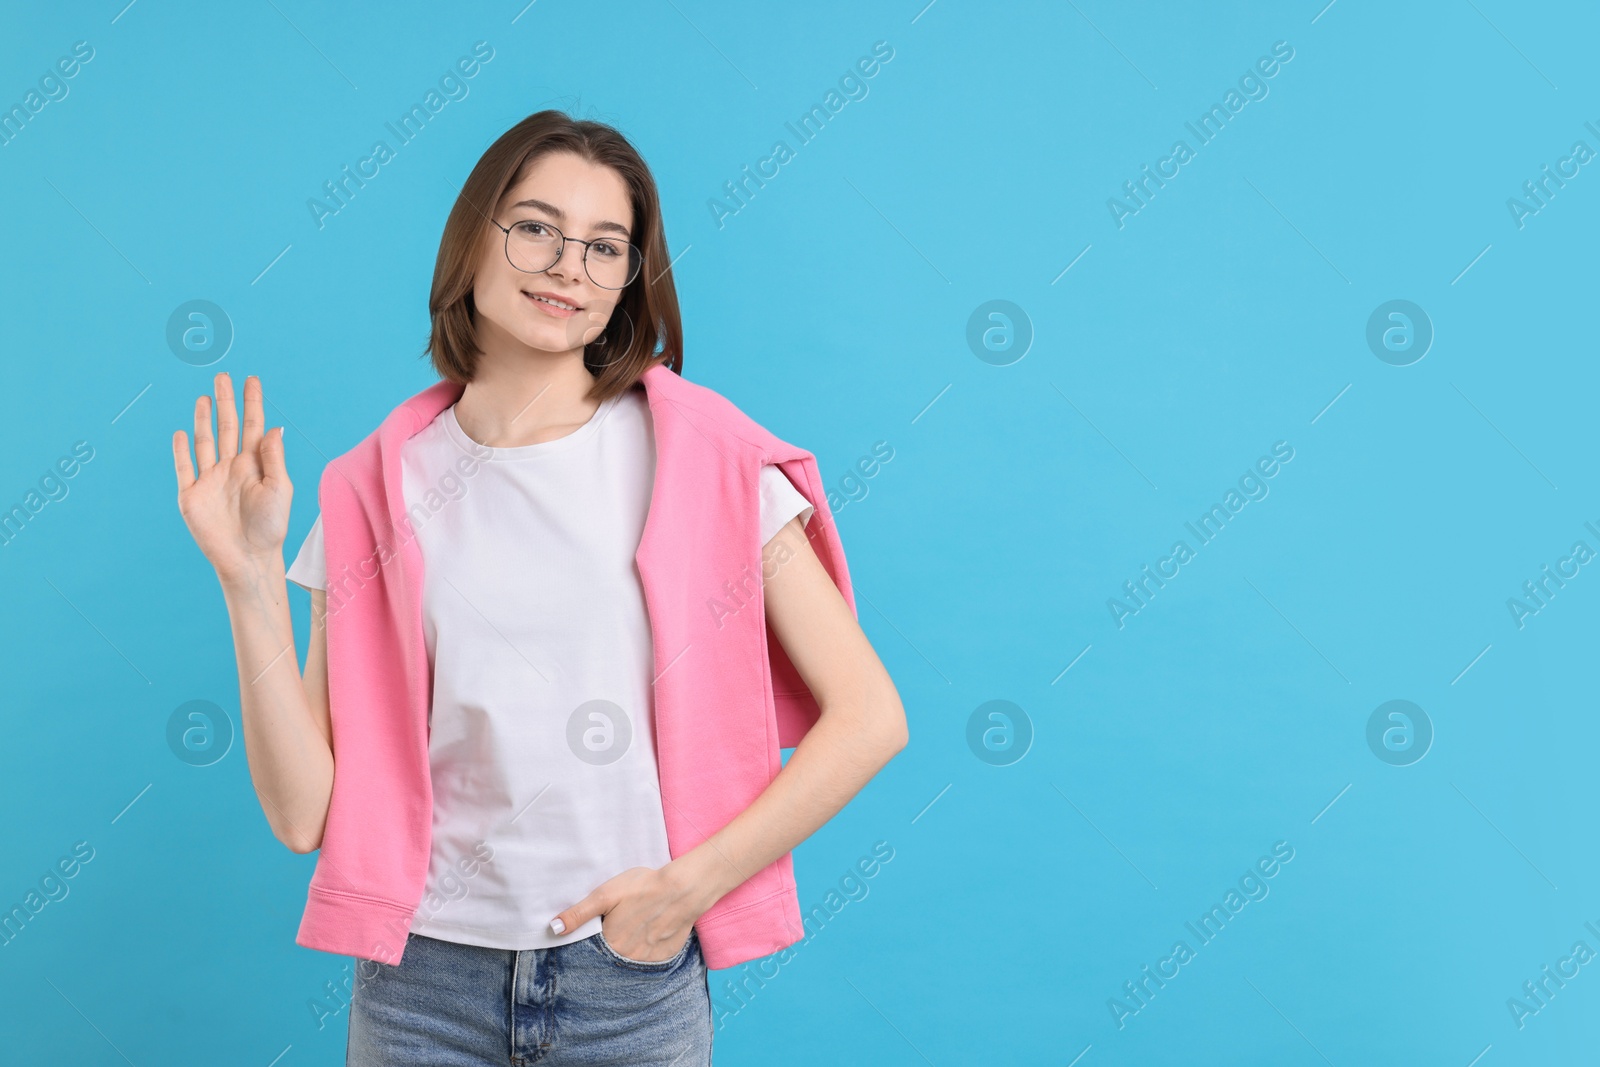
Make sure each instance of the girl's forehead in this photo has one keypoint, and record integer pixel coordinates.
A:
(591, 197)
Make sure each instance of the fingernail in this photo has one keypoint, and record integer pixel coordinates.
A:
(557, 926)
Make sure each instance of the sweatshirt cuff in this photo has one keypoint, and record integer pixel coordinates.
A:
(750, 933)
(354, 926)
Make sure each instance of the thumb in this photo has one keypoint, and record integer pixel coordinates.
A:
(272, 464)
(595, 903)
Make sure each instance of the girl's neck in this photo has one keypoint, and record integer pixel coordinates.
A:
(527, 401)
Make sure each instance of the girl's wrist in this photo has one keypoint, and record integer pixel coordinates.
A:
(702, 875)
(247, 570)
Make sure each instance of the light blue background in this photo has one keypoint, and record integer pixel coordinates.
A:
(1225, 316)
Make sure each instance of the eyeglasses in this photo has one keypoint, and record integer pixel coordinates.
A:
(534, 246)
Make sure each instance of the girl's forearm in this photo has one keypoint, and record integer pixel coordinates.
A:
(290, 759)
(835, 759)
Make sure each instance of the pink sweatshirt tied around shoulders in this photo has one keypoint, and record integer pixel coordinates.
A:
(726, 696)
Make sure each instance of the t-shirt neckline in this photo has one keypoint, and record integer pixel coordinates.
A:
(459, 437)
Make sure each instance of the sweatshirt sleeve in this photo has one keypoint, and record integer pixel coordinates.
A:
(780, 502)
(310, 567)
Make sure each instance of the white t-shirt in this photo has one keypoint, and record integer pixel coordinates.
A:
(542, 742)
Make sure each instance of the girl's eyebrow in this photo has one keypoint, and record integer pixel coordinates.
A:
(560, 216)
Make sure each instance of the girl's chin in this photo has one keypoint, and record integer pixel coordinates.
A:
(552, 337)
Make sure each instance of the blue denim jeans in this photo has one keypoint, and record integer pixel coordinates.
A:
(453, 1005)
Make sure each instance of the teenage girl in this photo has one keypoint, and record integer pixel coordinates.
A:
(573, 942)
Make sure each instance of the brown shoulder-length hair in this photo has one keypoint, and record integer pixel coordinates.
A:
(644, 328)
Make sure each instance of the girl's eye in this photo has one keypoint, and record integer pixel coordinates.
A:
(533, 229)
(607, 249)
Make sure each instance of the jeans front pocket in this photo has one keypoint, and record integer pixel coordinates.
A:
(643, 965)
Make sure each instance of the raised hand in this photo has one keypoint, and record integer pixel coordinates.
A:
(237, 510)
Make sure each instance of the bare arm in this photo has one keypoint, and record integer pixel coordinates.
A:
(287, 737)
(648, 913)
(237, 509)
(862, 724)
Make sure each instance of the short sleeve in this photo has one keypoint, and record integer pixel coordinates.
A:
(310, 567)
(780, 502)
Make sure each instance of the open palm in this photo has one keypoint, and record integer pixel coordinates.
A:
(237, 509)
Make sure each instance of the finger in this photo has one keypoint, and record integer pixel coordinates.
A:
(205, 446)
(227, 418)
(254, 422)
(579, 913)
(271, 451)
(180, 460)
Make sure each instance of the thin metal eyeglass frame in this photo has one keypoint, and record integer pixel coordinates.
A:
(638, 259)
